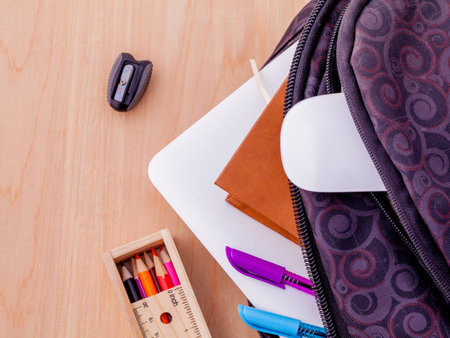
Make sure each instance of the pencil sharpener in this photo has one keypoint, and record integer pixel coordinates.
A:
(127, 82)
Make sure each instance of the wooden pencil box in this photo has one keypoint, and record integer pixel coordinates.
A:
(145, 315)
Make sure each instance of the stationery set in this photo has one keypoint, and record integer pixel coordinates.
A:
(154, 291)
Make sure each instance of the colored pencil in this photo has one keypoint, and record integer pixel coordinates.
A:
(130, 285)
(136, 278)
(163, 277)
(145, 277)
(151, 268)
(169, 266)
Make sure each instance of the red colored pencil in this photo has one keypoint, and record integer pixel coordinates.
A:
(161, 273)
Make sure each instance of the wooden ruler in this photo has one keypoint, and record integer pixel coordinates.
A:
(174, 301)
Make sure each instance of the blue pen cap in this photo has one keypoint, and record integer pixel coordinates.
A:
(269, 322)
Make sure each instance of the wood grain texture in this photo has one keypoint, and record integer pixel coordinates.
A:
(73, 172)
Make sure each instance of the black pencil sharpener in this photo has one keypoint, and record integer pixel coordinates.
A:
(127, 82)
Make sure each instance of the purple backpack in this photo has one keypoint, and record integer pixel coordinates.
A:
(379, 262)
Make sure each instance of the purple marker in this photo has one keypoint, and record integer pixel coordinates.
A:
(267, 271)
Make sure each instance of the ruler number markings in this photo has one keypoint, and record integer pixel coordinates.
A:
(177, 296)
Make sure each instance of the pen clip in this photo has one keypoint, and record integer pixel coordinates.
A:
(256, 267)
(269, 322)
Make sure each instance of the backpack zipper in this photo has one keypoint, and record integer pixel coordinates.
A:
(301, 220)
(330, 66)
(393, 223)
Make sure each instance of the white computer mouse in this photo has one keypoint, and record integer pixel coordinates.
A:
(321, 149)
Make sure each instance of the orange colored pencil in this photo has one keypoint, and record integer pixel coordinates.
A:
(145, 277)
(151, 268)
(163, 277)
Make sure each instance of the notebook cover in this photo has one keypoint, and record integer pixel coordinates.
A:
(254, 177)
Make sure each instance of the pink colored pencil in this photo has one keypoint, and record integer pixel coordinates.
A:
(169, 266)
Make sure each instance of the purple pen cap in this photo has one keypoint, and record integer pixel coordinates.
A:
(256, 267)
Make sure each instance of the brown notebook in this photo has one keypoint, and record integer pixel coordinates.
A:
(254, 177)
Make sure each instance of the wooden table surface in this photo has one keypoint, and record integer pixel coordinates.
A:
(73, 172)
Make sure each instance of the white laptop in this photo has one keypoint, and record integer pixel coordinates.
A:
(184, 173)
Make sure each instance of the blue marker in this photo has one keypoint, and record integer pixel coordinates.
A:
(279, 325)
